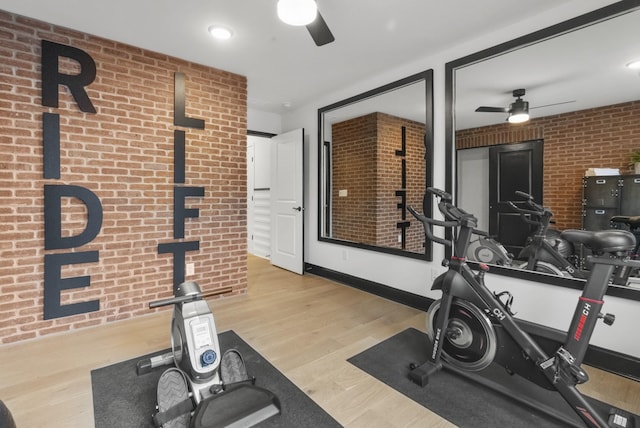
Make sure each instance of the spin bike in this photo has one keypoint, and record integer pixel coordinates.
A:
(547, 258)
(471, 327)
(541, 255)
(633, 224)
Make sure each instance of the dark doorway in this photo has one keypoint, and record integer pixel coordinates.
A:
(513, 167)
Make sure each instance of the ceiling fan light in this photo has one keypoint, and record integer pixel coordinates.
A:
(519, 111)
(634, 65)
(518, 117)
(297, 12)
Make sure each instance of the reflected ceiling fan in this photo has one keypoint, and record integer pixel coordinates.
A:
(518, 110)
(305, 12)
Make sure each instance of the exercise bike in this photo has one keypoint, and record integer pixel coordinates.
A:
(205, 388)
(543, 252)
(471, 328)
(632, 223)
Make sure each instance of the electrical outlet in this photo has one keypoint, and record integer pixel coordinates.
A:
(190, 269)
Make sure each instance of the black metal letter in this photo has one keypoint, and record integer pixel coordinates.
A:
(53, 195)
(51, 145)
(51, 76)
(179, 96)
(178, 156)
(54, 284)
(178, 249)
(180, 212)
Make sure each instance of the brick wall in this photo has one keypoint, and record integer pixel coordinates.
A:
(595, 138)
(353, 168)
(123, 154)
(365, 162)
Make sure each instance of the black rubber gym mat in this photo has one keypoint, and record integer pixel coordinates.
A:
(461, 401)
(121, 399)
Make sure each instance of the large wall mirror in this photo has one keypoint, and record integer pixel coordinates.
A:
(584, 124)
(375, 159)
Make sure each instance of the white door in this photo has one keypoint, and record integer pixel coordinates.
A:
(287, 212)
(250, 202)
(258, 198)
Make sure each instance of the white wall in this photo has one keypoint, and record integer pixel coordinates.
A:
(262, 121)
(534, 301)
(473, 183)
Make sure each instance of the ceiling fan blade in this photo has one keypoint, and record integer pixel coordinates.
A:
(554, 104)
(319, 31)
(485, 109)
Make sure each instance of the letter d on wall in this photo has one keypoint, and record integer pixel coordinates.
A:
(53, 195)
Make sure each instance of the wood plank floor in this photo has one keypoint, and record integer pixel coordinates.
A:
(305, 326)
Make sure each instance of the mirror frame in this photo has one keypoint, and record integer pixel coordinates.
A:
(427, 77)
(587, 19)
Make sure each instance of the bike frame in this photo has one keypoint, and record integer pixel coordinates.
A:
(542, 248)
(559, 368)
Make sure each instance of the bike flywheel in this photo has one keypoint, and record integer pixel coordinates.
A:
(470, 339)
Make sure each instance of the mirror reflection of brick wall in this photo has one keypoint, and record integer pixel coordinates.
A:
(602, 137)
(367, 172)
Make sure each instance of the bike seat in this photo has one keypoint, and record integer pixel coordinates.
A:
(616, 242)
(632, 221)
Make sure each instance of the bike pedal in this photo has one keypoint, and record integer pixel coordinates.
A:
(620, 419)
(579, 375)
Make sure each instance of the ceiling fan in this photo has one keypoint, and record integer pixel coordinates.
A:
(305, 12)
(518, 110)
(320, 31)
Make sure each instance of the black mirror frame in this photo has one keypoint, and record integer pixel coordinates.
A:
(427, 77)
(607, 12)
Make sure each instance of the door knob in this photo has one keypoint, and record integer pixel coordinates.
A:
(297, 208)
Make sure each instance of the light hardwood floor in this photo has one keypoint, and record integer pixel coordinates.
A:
(306, 326)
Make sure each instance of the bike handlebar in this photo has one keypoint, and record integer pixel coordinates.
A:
(444, 196)
(427, 224)
(534, 209)
(453, 215)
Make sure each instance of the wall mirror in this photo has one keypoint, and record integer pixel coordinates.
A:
(375, 159)
(584, 115)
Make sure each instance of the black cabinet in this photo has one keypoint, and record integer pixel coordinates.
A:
(606, 196)
(630, 195)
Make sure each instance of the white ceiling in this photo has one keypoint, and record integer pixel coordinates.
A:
(285, 69)
(281, 62)
(579, 70)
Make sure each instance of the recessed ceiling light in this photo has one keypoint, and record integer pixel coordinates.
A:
(220, 32)
(634, 65)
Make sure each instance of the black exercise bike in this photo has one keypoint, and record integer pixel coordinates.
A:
(542, 252)
(471, 327)
(631, 223)
(544, 255)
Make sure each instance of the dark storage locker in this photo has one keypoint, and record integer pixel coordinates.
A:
(601, 191)
(630, 195)
(606, 196)
(598, 218)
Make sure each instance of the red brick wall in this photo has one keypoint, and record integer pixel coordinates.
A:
(366, 165)
(124, 155)
(595, 138)
(353, 166)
